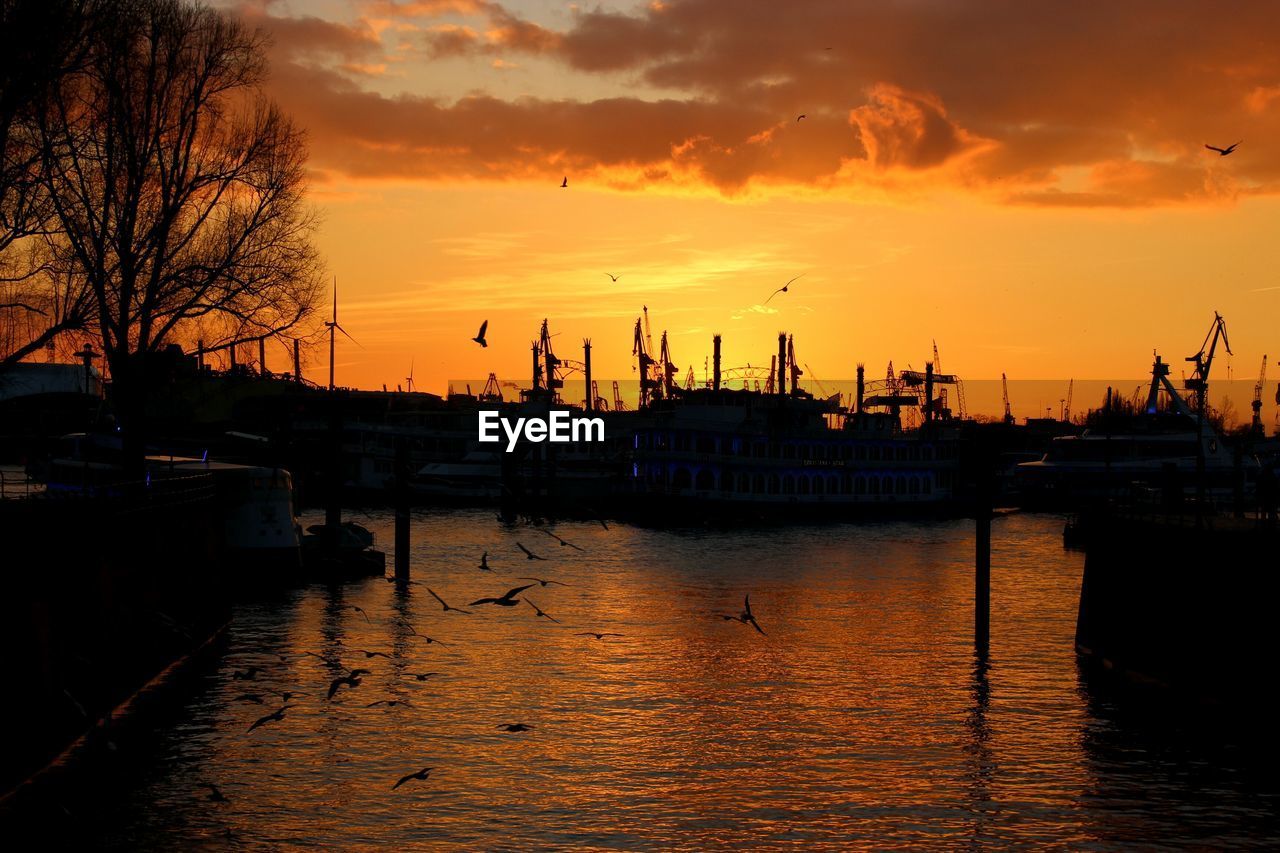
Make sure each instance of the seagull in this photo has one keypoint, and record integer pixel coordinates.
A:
(447, 608)
(613, 277)
(543, 582)
(275, 715)
(565, 183)
(360, 610)
(415, 633)
(529, 554)
(423, 676)
(484, 562)
(505, 600)
(251, 697)
(351, 679)
(513, 727)
(390, 703)
(802, 115)
(214, 794)
(745, 617)
(394, 579)
(246, 674)
(286, 695)
(540, 613)
(479, 338)
(561, 541)
(421, 775)
(369, 654)
(594, 634)
(782, 289)
(1223, 152)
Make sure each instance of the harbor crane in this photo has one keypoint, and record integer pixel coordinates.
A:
(1066, 401)
(1256, 427)
(1004, 388)
(1198, 384)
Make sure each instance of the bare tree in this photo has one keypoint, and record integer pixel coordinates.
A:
(177, 189)
(41, 41)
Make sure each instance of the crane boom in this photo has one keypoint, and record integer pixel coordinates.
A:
(1004, 389)
(1256, 425)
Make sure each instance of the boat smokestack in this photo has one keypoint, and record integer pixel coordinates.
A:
(928, 391)
(586, 373)
(862, 388)
(715, 362)
(782, 364)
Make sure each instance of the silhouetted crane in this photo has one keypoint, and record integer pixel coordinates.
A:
(1004, 387)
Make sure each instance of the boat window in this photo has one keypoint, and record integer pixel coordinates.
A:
(788, 485)
(788, 451)
(873, 485)
(833, 485)
(802, 484)
(773, 484)
(914, 486)
(901, 485)
(819, 486)
(859, 485)
(706, 480)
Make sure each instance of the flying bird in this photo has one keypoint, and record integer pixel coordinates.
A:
(390, 703)
(484, 562)
(246, 674)
(415, 633)
(613, 277)
(529, 554)
(783, 289)
(561, 541)
(423, 676)
(420, 775)
(745, 617)
(537, 610)
(273, 716)
(1223, 152)
(479, 338)
(446, 606)
(507, 599)
(802, 115)
(513, 727)
(360, 610)
(369, 654)
(594, 634)
(351, 679)
(215, 795)
(543, 582)
(565, 182)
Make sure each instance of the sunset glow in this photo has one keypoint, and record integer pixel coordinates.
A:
(1029, 187)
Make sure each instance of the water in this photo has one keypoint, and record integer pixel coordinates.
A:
(861, 718)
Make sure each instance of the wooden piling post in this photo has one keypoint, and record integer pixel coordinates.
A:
(333, 496)
(983, 506)
(401, 489)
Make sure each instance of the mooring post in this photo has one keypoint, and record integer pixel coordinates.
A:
(982, 557)
(333, 496)
(402, 509)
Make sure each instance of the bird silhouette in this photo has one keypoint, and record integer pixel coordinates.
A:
(513, 727)
(538, 610)
(248, 674)
(479, 338)
(802, 115)
(529, 554)
(543, 582)
(423, 676)
(215, 795)
(1223, 152)
(613, 277)
(783, 289)
(415, 633)
(745, 617)
(369, 654)
(420, 775)
(275, 716)
(484, 562)
(507, 599)
(598, 636)
(390, 703)
(351, 679)
(250, 697)
(360, 610)
(446, 606)
(562, 542)
(565, 182)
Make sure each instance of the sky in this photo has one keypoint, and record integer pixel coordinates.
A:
(1025, 184)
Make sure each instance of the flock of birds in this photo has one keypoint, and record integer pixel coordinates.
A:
(350, 679)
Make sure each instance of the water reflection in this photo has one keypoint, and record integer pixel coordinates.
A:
(862, 719)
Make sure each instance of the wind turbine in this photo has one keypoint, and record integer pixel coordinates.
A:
(409, 379)
(334, 328)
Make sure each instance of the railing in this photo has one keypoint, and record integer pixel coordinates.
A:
(15, 484)
(124, 497)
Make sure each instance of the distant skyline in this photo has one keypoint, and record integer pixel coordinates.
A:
(1026, 184)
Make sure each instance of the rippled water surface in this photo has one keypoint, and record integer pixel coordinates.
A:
(861, 718)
